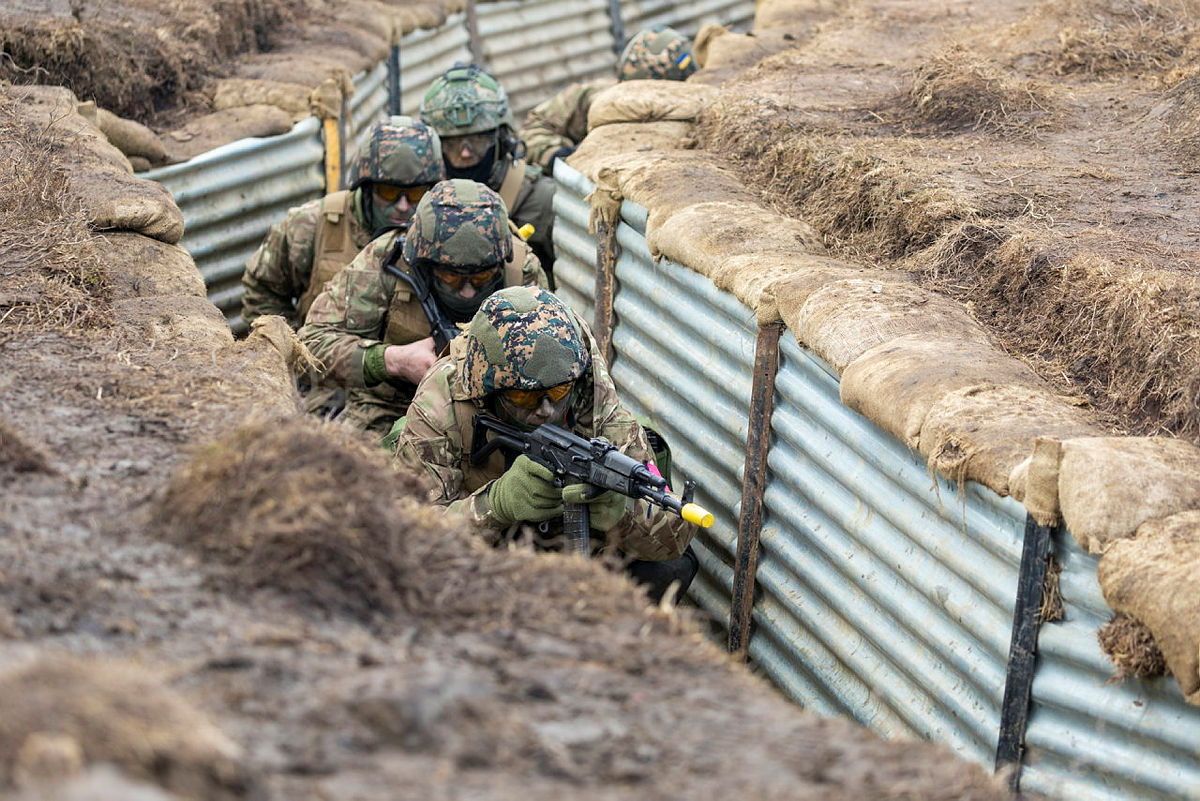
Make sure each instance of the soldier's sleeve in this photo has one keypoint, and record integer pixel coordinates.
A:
(532, 273)
(661, 534)
(280, 269)
(430, 444)
(348, 316)
(558, 122)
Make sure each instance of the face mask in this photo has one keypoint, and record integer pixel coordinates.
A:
(458, 308)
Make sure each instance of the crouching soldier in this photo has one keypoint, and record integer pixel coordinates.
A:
(556, 126)
(374, 326)
(526, 359)
(399, 162)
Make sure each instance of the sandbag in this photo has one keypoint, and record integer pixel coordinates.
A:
(138, 266)
(1108, 486)
(237, 92)
(594, 152)
(191, 324)
(898, 382)
(705, 234)
(782, 299)
(222, 127)
(981, 433)
(1155, 578)
(770, 13)
(118, 201)
(131, 137)
(648, 101)
(843, 320)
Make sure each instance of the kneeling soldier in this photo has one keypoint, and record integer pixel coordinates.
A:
(527, 359)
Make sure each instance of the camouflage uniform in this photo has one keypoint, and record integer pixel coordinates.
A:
(466, 100)
(659, 53)
(364, 307)
(437, 436)
(323, 236)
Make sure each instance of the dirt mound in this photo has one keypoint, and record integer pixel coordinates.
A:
(1131, 647)
(1101, 37)
(958, 91)
(61, 713)
(18, 455)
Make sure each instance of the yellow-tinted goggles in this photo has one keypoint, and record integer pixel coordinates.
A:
(390, 193)
(532, 398)
(456, 280)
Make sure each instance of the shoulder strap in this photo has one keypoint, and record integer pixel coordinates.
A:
(511, 186)
(333, 247)
(514, 268)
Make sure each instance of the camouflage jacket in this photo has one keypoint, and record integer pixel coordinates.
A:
(351, 315)
(561, 121)
(437, 440)
(279, 271)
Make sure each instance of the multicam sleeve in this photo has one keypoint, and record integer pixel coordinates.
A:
(532, 273)
(430, 444)
(280, 269)
(558, 122)
(348, 316)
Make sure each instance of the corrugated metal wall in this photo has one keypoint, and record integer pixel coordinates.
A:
(885, 596)
(686, 17)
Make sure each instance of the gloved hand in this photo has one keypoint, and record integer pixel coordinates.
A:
(606, 509)
(525, 492)
(562, 153)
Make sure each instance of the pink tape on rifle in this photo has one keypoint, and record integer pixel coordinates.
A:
(654, 469)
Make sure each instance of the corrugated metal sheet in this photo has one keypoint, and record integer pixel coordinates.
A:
(367, 106)
(536, 47)
(230, 196)
(426, 54)
(886, 596)
(686, 17)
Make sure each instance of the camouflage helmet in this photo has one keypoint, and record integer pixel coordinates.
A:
(522, 337)
(459, 224)
(660, 52)
(466, 100)
(399, 150)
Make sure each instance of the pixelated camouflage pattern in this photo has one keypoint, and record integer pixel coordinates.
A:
(399, 150)
(466, 100)
(280, 270)
(351, 316)
(521, 338)
(434, 442)
(459, 224)
(661, 53)
(560, 121)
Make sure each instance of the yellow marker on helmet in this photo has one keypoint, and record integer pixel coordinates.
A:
(694, 513)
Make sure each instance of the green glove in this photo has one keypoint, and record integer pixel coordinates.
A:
(606, 509)
(525, 493)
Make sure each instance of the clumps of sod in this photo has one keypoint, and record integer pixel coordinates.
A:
(1102, 37)
(318, 512)
(49, 274)
(18, 455)
(64, 713)
(957, 91)
(1131, 647)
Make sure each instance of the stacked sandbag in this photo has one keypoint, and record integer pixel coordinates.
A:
(139, 144)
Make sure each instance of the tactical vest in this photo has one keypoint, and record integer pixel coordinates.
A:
(406, 321)
(333, 248)
(510, 187)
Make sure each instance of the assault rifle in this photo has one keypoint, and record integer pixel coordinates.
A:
(575, 460)
(441, 328)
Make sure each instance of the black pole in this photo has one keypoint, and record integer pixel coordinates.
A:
(394, 80)
(618, 25)
(1022, 650)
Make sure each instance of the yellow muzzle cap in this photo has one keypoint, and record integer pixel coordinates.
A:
(696, 514)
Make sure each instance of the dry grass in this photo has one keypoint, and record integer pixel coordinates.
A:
(958, 91)
(1102, 37)
(1131, 647)
(49, 277)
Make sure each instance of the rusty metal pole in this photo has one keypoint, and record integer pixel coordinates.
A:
(607, 251)
(474, 41)
(754, 483)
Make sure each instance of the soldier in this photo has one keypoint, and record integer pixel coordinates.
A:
(369, 328)
(527, 359)
(556, 126)
(397, 164)
(469, 110)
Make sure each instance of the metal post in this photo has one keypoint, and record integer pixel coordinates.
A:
(474, 42)
(1022, 649)
(754, 483)
(394, 80)
(333, 154)
(607, 251)
(618, 25)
